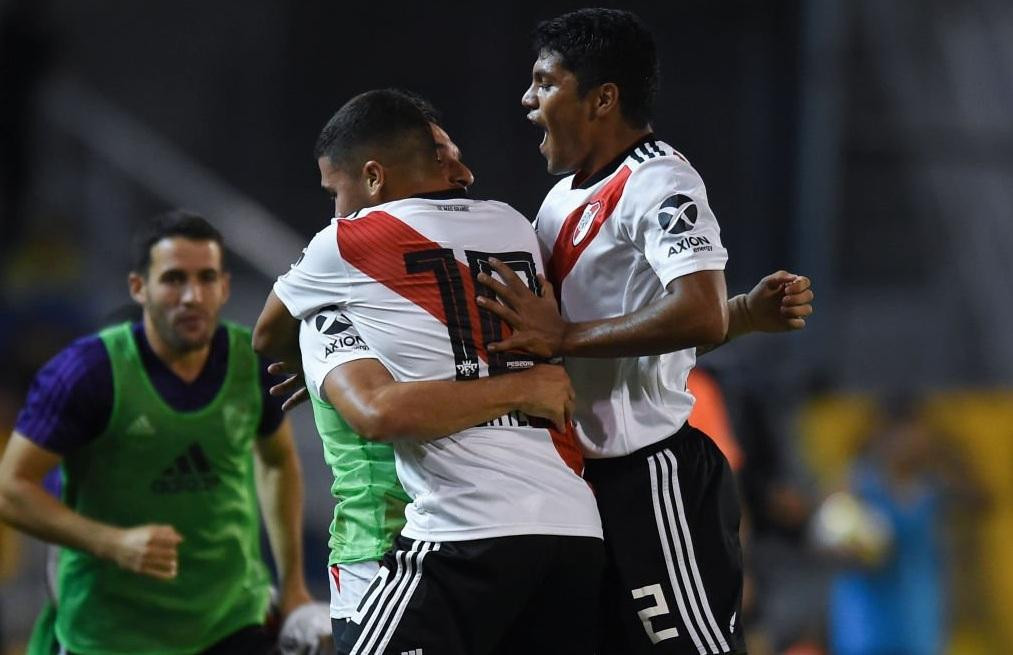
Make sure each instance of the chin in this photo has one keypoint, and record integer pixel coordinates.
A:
(555, 168)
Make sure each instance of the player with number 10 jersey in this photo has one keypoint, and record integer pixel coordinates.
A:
(404, 274)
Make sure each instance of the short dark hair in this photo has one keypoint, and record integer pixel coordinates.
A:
(383, 122)
(606, 45)
(173, 223)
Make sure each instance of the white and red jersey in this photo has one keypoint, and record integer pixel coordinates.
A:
(404, 274)
(327, 339)
(612, 245)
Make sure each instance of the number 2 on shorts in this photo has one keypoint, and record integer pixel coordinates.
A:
(659, 608)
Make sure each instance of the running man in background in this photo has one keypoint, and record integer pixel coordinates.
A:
(634, 253)
(161, 428)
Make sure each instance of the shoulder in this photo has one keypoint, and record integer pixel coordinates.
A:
(82, 357)
(504, 211)
(660, 180)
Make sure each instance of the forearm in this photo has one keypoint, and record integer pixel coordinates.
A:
(27, 506)
(279, 485)
(276, 334)
(423, 411)
(739, 323)
(662, 327)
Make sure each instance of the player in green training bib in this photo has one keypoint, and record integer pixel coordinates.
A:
(165, 432)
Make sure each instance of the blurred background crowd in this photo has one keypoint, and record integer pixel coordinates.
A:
(864, 143)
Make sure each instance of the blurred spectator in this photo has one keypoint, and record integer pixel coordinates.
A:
(892, 598)
(790, 580)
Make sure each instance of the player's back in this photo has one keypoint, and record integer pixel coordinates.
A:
(411, 268)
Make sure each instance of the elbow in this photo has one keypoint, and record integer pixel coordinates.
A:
(8, 502)
(262, 342)
(375, 424)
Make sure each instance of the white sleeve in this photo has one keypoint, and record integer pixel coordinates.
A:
(327, 340)
(318, 279)
(671, 220)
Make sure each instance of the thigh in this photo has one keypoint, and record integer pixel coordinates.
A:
(560, 615)
(338, 627)
(671, 525)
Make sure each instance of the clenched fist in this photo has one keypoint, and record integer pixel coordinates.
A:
(149, 550)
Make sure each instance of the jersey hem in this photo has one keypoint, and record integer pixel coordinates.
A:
(502, 531)
(716, 264)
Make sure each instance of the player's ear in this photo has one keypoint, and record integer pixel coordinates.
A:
(226, 286)
(374, 177)
(135, 282)
(606, 99)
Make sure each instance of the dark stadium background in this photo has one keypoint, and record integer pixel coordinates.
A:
(866, 144)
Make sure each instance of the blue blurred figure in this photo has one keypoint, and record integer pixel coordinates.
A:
(892, 601)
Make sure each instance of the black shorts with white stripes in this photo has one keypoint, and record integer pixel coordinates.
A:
(506, 595)
(673, 574)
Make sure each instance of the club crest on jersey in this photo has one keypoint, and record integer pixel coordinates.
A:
(584, 224)
(678, 214)
(467, 368)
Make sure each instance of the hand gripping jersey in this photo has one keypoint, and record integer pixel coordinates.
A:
(612, 245)
(404, 274)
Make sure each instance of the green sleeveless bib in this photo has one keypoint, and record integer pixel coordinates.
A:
(369, 501)
(191, 470)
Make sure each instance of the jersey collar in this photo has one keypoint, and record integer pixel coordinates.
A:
(612, 166)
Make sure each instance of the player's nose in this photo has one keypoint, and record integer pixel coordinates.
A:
(529, 99)
(461, 175)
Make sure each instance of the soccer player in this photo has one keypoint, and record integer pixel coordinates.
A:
(634, 253)
(501, 549)
(369, 500)
(155, 426)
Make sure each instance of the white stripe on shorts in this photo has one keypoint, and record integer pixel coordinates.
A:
(667, 547)
(688, 540)
(396, 595)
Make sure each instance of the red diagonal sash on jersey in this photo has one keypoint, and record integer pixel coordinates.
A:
(565, 252)
(376, 245)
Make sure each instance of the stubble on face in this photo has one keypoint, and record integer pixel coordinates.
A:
(184, 291)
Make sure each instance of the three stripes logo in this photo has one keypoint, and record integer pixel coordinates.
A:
(387, 598)
(190, 472)
(648, 150)
(684, 577)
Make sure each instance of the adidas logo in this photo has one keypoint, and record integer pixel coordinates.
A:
(415, 651)
(141, 427)
(190, 472)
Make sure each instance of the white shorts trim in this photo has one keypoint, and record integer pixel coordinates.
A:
(348, 584)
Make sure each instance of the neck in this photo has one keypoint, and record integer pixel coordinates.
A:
(613, 141)
(186, 364)
(413, 187)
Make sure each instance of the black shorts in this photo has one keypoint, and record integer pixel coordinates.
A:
(506, 595)
(673, 574)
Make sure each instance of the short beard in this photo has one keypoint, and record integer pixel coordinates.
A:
(176, 343)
